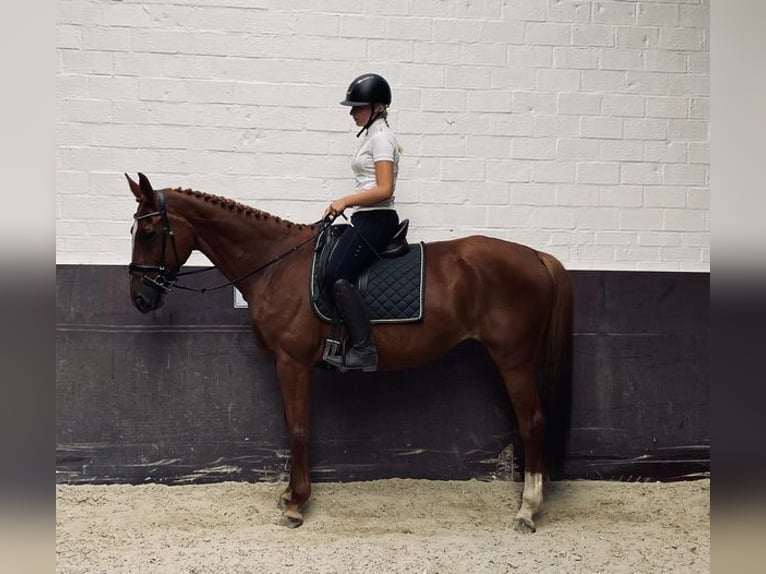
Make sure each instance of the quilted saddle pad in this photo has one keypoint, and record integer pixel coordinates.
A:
(392, 289)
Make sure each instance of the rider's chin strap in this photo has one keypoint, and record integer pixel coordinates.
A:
(372, 119)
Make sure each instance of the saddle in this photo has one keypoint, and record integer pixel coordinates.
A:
(326, 242)
(392, 286)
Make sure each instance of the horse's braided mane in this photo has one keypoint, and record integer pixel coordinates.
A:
(232, 205)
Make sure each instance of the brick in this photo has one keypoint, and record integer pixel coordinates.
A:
(567, 126)
(699, 62)
(555, 171)
(123, 14)
(530, 56)
(579, 104)
(665, 196)
(689, 85)
(84, 110)
(489, 10)
(513, 125)
(689, 130)
(524, 10)
(685, 174)
(621, 150)
(463, 170)
(598, 218)
(623, 105)
(620, 195)
(614, 12)
(621, 59)
(481, 146)
(444, 100)
(598, 172)
(696, 239)
(577, 149)
(489, 193)
(665, 151)
(657, 14)
(699, 108)
(641, 218)
(699, 152)
(409, 28)
(637, 37)
(533, 194)
(567, 11)
(86, 62)
(548, 34)
(667, 107)
(533, 102)
(604, 81)
(659, 239)
(645, 129)
(601, 127)
(577, 194)
(513, 78)
(533, 148)
(483, 54)
(553, 218)
(503, 32)
(557, 80)
(456, 31)
(636, 253)
(68, 36)
(681, 39)
(622, 238)
(442, 193)
(695, 16)
(648, 82)
(489, 101)
(362, 26)
(641, 173)
(575, 58)
(112, 88)
(665, 61)
(509, 216)
(592, 35)
(684, 220)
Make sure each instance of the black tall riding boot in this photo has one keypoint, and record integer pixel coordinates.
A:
(361, 353)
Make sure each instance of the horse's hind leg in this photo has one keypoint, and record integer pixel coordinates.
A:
(522, 389)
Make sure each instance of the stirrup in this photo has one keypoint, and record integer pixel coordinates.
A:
(366, 363)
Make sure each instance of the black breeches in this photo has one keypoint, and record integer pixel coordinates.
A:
(352, 252)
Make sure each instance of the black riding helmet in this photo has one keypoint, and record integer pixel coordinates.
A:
(368, 89)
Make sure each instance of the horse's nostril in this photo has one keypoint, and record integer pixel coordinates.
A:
(142, 304)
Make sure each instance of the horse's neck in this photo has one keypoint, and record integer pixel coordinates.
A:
(237, 242)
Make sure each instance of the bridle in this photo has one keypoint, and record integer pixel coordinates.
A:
(165, 280)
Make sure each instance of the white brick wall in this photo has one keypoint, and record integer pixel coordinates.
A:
(577, 127)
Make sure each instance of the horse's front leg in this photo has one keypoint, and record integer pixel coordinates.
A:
(294, 381)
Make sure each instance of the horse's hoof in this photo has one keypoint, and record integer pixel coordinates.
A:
(293, 518)
(524, 525)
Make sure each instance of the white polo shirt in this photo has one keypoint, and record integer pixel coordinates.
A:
(378, 144)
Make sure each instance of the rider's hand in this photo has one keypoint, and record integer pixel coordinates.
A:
(335, 208)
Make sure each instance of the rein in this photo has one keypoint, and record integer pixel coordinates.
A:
(165, 281)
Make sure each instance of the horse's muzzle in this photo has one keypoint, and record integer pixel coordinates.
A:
(149, 296)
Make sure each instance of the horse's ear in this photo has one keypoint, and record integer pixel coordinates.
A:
(145, 188)
(134, 187)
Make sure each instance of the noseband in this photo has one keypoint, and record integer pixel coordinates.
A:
(164, 280)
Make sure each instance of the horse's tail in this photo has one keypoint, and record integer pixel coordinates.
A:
(556, 379)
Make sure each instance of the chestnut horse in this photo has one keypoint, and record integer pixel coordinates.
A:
(516, 301)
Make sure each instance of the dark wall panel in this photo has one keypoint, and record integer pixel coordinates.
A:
(183, 394)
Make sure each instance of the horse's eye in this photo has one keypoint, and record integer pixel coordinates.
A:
(147, 234)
